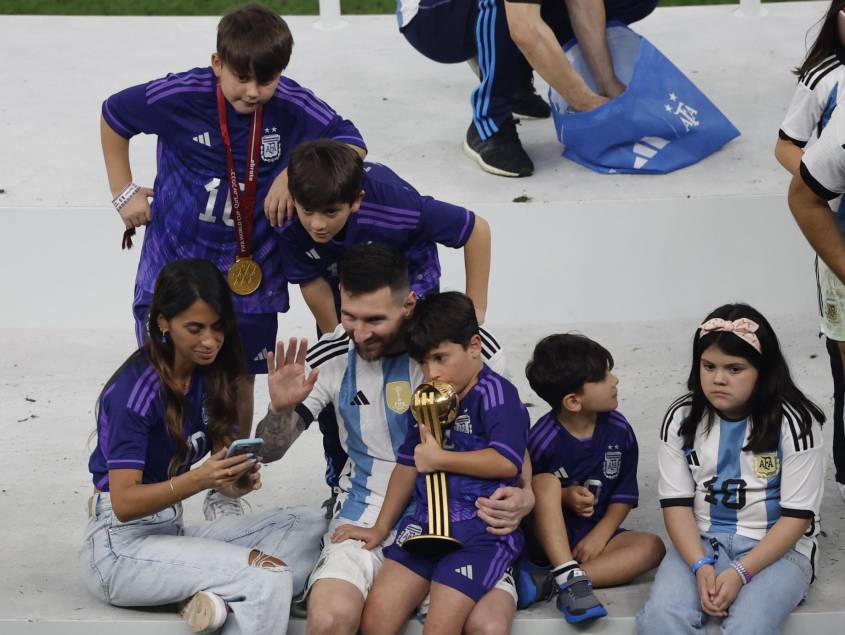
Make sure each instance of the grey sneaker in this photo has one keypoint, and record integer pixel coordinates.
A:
(216, 505)
(577, 602)
(205, 612)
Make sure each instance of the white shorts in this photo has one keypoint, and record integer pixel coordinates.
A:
(348, 560)
(831, 302)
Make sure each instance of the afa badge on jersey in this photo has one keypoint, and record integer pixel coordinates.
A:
(766, 465)
(271, 145)
(612, 464)
(410, 531)
(398, 394)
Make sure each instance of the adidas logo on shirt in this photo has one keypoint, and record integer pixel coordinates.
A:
(465, 571)
(203, 139)
(360, 400)
(646, 148)
(312, 253)
(262, 354)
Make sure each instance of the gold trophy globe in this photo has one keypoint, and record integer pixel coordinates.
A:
(435, 405)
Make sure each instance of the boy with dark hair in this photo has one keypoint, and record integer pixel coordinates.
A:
(584, 455)
(224, 134)
(341, 201)
(482, 450)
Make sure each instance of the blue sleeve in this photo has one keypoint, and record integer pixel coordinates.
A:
(297, 266)
(405, 455)
(506, 421)
(445, 223)
(126, 435)
(626, 490)
(540, 458)
(128, 113)
(319, 120)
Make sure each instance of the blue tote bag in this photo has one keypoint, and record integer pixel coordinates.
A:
(661, 123)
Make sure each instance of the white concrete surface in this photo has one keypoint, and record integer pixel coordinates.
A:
(633, 261)
(649, 236)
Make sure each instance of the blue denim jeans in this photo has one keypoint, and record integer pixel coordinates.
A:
(155, 560)
(760, 608)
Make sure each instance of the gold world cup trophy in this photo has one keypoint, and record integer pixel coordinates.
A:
(435, 405)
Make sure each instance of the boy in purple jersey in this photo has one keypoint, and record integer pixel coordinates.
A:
(191, 215)
(341, 202)
(482, 451)
(584, 455)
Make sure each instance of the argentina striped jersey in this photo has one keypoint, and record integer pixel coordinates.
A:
(734, 491)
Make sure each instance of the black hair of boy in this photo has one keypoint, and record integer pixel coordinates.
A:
(563, 363)
(442, 317)
(370, 267)
(253, 40)
(323, 173)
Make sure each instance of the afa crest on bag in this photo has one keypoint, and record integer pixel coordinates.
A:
(662, 122)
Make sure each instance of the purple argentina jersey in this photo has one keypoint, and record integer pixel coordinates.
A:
(131, 429)
(491, 415)
(191, 211)
(392, 213)
(609, 456)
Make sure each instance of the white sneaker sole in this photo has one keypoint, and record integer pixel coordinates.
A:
(475, 156)
(205, 612)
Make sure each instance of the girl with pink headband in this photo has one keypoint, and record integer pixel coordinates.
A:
(741, 464)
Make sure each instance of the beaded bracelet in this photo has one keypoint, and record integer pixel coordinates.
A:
(742, 571)
(126, 193)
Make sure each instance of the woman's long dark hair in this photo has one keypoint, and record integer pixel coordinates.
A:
(827, 42)
(179, 285)
(773, 393)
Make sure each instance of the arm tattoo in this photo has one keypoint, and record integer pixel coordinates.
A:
(279, 430)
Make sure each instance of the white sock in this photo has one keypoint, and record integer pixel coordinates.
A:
(564, 572)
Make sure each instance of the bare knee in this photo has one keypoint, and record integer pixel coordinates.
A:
(332, 615)
(655, 549)
(261, 560)
(485, 624)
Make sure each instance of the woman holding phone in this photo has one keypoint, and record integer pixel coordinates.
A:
(168, 405)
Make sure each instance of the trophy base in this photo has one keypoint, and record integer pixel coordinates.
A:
(432, 546)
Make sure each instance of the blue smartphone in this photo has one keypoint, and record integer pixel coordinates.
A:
(245, 446)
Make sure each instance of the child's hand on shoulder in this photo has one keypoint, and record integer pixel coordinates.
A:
(278, 203)
(428, 452)
(370, 536)
(580, 500)
(728, 585)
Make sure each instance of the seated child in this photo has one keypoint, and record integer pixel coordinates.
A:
(741, 461)
(584, 456)
(483, 450)
(342, 201)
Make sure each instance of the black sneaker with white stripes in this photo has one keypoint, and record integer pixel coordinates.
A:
(500, 154)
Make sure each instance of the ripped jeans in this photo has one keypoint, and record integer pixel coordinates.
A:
(155, 560)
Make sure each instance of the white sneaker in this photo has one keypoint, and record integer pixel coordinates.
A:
(841, 487)
(216, 505)
(205, 612)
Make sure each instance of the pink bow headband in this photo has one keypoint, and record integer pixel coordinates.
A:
(742, 328)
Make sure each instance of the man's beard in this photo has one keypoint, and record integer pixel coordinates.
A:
(377, 348)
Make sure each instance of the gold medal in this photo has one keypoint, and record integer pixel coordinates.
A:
(244, 276)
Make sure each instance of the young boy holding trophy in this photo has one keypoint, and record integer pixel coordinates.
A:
(470, 440)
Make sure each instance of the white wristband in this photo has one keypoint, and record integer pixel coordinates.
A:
(122, 199)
